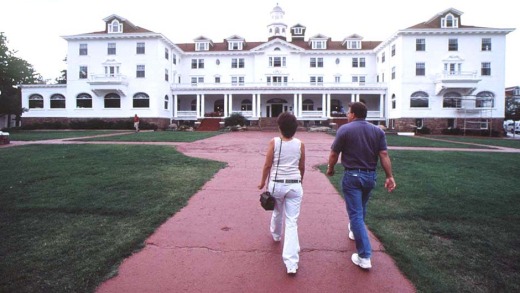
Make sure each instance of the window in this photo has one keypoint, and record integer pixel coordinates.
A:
(298, 30)
(359, 79)
(316, 80)
(57, 101)
(486, 44)
(276, 80)
(453, 68)
(83, 72)
(485, 69)
(420, 69)
(111, 71)
(140, 49)
(420, 45)
(394, 102)
(237, 63)
(234, 45)
(197, 63)
(246, 105)
(84, 101)
(166, 54)
(485, 100)
(453, 45)
(452, 100)
(197, 79)
(166, 101)
(166, 75)
(419, 100)
(383, 57)
(35, 102)
(308, 105)
(194, 105)
(451, 123)
(174, 59)
(393, 72)
(393, 50)
(217, 79)
(319, 44)
(449, 21)
(419, 123)
(83, 49)
(201, 46)
(237, 80)
(353, 44)
(141, 100)
(358, 62)
(111, 49)
(316, 62)
(115, 27)
(337, 79)
(140, 71)
(112, 101)
(276, 61)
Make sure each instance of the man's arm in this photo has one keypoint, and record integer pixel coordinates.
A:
(387, 166)
(333, 159)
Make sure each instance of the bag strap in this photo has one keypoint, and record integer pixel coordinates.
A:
(277, 164)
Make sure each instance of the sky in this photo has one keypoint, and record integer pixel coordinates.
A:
(34, 28)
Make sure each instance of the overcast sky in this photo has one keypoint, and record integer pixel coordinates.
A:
(34, 28)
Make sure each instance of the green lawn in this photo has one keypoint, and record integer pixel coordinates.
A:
(32, 135)
(69, 214)
(159, 136)
(420, 141)
(453, 223)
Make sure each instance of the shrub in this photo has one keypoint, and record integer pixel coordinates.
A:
(235, 119)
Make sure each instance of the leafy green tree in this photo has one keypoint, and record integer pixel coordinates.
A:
(513, 108)
(13, 71)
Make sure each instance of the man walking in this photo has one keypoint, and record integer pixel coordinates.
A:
(360, 144)
(136, 123)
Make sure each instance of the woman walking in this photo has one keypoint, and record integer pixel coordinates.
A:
(285, 166)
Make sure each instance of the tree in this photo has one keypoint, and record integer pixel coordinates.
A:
(13, 71)
(513, 108)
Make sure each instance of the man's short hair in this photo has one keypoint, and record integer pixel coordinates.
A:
(359, 109)
(287, 123)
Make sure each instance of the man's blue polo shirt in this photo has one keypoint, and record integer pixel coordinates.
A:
(359, 143)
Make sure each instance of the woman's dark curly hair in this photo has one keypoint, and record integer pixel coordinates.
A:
(287, 123)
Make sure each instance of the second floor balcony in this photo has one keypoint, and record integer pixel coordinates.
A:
(104, 83)
(463, 81)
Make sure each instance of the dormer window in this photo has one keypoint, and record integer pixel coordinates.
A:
(235, 45)
(319, 44)
(354, 44)
(298, 30)
(449, 21)
(115, 27)
(202, 46)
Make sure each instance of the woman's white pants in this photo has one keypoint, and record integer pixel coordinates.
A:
(288, 201)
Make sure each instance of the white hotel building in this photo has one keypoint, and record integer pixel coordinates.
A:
(437, 74)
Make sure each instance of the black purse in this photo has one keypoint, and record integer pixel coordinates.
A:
(267, 200)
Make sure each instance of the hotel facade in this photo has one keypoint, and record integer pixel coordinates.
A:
(438, 74)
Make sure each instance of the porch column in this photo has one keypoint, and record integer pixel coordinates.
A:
(323, 106)
(381, 106)
(328, 105)
(175, 102)
(259, 106)
(295, 105)
(253, 102)
(356, 98)
(202, 105)
(300, 105)
(230, 104)
(226, 113)
(198, 106)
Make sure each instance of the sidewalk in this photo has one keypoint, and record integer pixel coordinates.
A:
(220, 242)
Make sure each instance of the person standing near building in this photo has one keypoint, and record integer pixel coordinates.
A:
(285, 167)
(136, 123)
(360, 144)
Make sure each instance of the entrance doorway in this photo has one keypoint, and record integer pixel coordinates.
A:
(275, 107)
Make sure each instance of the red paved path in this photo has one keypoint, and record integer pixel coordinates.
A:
(220, 242)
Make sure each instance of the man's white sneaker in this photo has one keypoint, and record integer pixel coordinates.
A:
(292, 270)
(363, 263)
(350, 234)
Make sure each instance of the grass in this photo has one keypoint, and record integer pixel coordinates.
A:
(452, 225)
(159, 136)
(420, 141)
(69, 214)
(32, 135)
(501, 142)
